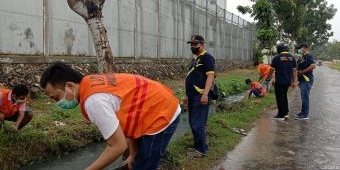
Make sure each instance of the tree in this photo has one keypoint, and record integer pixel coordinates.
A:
(263, 13)
(300, 20)
(304, 20)
(91, 11)
(289, 15)
(327, 51)
(315, 22)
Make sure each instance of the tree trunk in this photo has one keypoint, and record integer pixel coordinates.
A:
(91, 11)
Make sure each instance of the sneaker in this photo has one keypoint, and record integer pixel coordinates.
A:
(279, 118)
(297, 115)
(286, 116)
(198, 154)
(302, 118)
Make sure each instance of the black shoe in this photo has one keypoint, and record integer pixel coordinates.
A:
(278, 118)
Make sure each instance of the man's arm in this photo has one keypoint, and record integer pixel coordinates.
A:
(116, 145)
(308, 69)
(270, 73)
(208, 85)
(261, 77)
(19, 120)
(132, 146)
(101, 108)
(294, 78)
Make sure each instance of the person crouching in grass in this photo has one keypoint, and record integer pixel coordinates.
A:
(13, 106)
(256, 88)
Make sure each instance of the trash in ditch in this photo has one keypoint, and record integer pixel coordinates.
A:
(239, 131)
(57, 123)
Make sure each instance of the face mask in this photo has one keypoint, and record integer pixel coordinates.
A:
(20, 101)
(299, 51)
(195, 50)
(65, 104)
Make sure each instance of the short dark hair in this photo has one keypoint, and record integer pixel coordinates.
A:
(305, 45)
(248, 81)
(58, 74)
(282, 47)
(197, 39)
(20, 90)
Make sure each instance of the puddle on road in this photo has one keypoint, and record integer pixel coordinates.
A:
(292, 144)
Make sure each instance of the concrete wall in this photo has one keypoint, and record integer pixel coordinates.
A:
(21, 26)
(136, 28)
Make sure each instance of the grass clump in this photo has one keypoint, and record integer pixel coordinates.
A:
(334, 65)
(51, 133)
(221, 137)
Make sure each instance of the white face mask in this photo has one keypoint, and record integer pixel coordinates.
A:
(19, 101)
(65, 104)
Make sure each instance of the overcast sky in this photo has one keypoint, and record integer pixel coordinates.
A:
(335, 22)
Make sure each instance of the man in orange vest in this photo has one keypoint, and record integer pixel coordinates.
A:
(131, 111)
(13, 106)
(256, 88)
(263, 70)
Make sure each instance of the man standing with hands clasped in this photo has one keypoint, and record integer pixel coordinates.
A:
(284, 65)
(306, 65)
(198, 83)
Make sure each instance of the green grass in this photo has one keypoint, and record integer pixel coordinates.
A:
(233, 83)
(43, 139)
(335, 66)
(220, 136)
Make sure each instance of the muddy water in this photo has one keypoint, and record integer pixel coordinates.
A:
(292, 144)
(85, 156)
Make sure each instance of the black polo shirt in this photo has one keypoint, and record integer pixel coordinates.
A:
(200, 67)
(303, 62)
(283, 64)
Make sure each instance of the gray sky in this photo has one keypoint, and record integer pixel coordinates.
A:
(335, 22)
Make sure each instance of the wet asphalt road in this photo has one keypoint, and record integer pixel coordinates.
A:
(295, 144)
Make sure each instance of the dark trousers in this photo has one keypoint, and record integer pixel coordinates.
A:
(152, 147)
(198, 117)
(281, 99)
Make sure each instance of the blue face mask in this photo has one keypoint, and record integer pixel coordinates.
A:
(65, 104)
(299, 51)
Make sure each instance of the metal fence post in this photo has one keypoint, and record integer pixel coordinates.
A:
(135, 32)
(231, 36)
(45, 29)
(158, 27)
(177, 28)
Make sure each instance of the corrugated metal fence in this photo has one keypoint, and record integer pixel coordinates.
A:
(136, 28)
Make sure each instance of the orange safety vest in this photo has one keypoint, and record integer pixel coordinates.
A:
(146, 106)
(6, 106)
(257, 85)
(263, 69)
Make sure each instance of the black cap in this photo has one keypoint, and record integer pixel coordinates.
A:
(301, 45)
(196, 38)
(282, 47)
